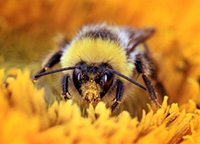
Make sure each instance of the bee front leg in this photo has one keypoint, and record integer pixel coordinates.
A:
(65, 92)
(147, 81)
(119, 93)
(53, 60)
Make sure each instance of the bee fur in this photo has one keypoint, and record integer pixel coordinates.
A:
(108, 52)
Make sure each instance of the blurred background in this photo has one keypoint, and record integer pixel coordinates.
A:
(28, 29)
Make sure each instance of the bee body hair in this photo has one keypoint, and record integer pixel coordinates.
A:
(105, 58)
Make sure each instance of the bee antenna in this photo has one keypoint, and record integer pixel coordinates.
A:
(37, 76)
(127, 78)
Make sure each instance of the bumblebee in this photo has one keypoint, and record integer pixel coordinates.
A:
(102, 63)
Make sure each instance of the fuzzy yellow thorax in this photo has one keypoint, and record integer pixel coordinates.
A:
(97, 51)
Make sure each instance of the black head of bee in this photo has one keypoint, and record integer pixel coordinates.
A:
(92, 81)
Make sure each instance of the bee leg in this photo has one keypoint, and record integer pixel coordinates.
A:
(118, 94)
(53, 60)
(65, 92)
(147, 82)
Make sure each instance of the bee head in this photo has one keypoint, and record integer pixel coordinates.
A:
(92, 81)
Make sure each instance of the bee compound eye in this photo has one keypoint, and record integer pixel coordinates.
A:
(108, 76)
(107, 79)
(77, 74)
(77, 78)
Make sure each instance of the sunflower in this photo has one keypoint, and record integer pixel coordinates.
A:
(29, 114)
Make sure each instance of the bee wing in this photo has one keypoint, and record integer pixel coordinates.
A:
(137, 36)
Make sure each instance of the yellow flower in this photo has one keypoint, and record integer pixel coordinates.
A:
(25, 118)
(26, 27)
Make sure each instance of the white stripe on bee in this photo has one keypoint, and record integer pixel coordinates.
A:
(140, 49)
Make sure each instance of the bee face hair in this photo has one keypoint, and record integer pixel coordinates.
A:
(92, 82)
(101, 61)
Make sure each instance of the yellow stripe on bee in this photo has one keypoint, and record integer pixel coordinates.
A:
(97, 51)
